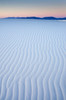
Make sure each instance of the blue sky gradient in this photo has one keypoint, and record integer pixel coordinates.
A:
(40, 8)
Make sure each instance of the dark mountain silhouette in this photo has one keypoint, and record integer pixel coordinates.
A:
(43, 18)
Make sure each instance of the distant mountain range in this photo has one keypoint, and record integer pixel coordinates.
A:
(43, 18)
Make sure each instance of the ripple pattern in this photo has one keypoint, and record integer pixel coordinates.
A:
(32, 60)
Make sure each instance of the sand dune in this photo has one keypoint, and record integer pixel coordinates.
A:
(32, 60)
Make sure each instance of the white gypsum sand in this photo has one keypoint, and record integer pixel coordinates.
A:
(32, 59)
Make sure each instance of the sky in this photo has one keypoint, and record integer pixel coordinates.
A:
(38, 8)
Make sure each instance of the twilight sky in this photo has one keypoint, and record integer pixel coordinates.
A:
(39, 8)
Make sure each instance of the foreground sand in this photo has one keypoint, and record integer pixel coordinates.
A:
(32, 60)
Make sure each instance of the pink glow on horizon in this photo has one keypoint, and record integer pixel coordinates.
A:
(27, 12)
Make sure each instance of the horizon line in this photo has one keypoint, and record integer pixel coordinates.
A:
(31, 17)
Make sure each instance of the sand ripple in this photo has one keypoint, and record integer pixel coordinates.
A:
(32, 60)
